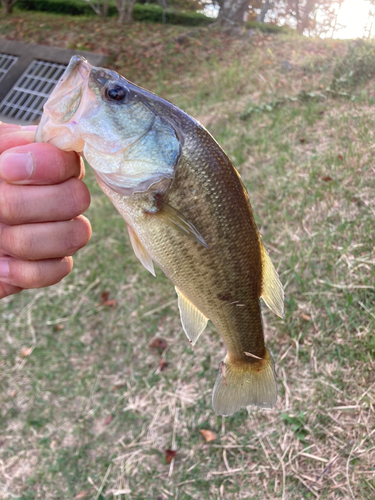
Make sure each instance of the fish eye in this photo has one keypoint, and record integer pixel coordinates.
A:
(116, 93)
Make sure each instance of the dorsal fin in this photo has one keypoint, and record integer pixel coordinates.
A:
(272, 289)
(140, 251)
(193, 321)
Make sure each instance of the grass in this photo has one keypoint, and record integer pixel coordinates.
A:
(88, 407)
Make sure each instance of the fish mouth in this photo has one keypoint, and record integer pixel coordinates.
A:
(69, 90)
(65, 99)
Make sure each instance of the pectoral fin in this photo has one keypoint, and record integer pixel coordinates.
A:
(140, 251)
(193, 321)
(272, 289)
(178, 221)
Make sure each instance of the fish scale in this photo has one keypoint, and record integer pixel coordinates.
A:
(195, 224)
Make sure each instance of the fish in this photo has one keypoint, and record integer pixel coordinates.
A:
(186, 210)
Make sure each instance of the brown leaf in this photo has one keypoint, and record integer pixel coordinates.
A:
(169, 455)
(162, 364)
(81, 494)
(110, 303)
(302, 140)
(327, 178)
(118, 386)
(105, 300)
(306, 317)
(340, 157)
(159, 344)
(208, 435)
(26, 351)
(108, 419)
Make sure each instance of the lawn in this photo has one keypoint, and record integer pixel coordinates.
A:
(98, 383)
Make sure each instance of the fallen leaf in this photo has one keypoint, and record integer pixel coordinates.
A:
(81, 494)
(159, 344)
(208, 435)
(110, 303)
(105, 300)
(169, 455)
(108, 419)
(327, 178)
(26, 351)
(118, 386)
(306, 317)
(340, 157)
(162, 364)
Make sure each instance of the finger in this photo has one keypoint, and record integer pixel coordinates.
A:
(40, 163)
(12, 137)
(34, 274)
(48, 240)
(6, 290)
(5, 127)
(25, 204)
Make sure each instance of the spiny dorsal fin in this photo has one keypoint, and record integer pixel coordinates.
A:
(193, 321)
(272, 289)
(178, 221)
(140, 251)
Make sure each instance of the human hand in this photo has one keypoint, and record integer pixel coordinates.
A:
(42, 197)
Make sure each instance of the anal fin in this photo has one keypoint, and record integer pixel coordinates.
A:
(140, 251)
(272, 289)
(193, 321)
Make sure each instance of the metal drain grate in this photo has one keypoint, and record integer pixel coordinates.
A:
(26, 99)
(6, 62)
(28, 74)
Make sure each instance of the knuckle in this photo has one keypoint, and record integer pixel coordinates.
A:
(78, 198)
(68, 164)
(38, 274)
(16, 243)
(33, 275)
(76, 238)
(11, 205)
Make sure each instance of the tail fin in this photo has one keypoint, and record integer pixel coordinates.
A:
(240, 384)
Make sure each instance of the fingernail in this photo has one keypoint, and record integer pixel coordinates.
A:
(4, 268)
(16, 166)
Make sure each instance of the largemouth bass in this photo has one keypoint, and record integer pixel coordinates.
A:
(186, 210)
